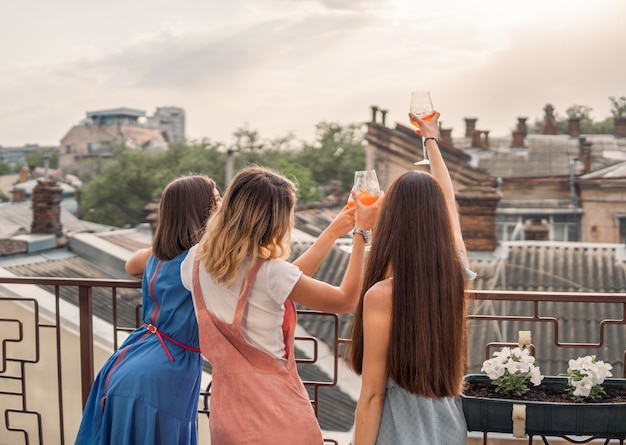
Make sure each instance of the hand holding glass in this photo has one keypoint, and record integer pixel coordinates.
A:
(422, 107)
(367, 188)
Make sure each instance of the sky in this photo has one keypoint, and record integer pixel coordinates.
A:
(283, 66)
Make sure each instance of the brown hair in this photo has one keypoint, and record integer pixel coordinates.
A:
(414, 241)
(255, 221)
(186, 204)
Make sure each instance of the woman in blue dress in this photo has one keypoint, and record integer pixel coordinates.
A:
(147, 392)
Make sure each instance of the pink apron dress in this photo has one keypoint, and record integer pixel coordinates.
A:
(255, 398)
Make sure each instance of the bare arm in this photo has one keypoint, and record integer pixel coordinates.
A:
(310, 260)
(322, 296)
(376, 335)
(136, 264)
(438, 168)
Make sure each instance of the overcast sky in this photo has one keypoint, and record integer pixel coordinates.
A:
(282, 66)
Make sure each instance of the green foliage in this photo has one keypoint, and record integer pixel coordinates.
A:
(337, 153)
(117, 190)
(87, 169)
(5, 168)
(37, 157)
(515, 384)
(618, 106)
(587, 124)
(118, 195)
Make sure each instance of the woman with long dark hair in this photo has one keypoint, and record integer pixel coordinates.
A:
(408, 337)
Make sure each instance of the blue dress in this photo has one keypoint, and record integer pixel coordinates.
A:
(410, 419)
(147, 392)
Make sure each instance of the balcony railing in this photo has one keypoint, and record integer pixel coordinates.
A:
(51, 340)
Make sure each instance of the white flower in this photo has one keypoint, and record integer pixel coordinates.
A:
(585, 376)
(511, 369)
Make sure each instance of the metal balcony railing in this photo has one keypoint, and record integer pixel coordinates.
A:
(50, 337)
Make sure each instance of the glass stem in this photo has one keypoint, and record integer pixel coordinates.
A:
(424, 149)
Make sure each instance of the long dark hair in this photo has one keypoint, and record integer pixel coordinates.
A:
(186, 204)
(414, 242)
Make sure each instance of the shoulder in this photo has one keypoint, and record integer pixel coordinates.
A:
(281, 267)
(378, 297)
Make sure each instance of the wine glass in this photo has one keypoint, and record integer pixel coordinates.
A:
(421, 106)
(367, 189)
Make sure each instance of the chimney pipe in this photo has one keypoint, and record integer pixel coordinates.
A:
(470, 126)
(620, 127)
(584, 154)
(374, 112)
(518, 139)
(446, 137)
(521, 126)
(574, 127)
(383, 115)
(476, 139)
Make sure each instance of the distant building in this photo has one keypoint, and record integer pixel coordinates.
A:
(171, 120)
(102, 131)
(17, 155)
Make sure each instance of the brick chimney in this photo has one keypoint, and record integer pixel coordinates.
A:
(574, 127)
(446, 137)
(477, 211)
(470, 126)
(46, 202)
(536, 230)
(584, 154)
(476, 139)
(486, 144)
(620, 127)
(549, 126)
(518, 139)
(521, 125)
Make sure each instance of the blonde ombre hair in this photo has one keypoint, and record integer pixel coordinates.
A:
(255, 221)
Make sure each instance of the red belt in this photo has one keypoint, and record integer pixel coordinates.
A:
(161, 335)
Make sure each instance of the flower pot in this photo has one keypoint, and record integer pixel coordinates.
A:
(599, 419)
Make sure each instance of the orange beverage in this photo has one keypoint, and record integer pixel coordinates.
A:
(365, 198)
(426, 117)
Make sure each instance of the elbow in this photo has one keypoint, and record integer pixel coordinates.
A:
(347, 307)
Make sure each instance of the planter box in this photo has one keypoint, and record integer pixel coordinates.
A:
(606, 420)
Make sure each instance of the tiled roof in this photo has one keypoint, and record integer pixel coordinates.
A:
(553, 267)
(526, 266)
(21, 215)
(68, 265)
(549, 156)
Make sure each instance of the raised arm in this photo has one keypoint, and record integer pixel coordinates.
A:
(322, 296)
(311, 259)
(439, 170)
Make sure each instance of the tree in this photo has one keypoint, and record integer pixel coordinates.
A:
(337, 153)
(126, 184)
(618, 106)
(5, 168)
(37, 157)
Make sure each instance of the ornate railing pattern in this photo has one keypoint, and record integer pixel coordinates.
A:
(35, 336)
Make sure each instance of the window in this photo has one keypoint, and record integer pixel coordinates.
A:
(622, 228)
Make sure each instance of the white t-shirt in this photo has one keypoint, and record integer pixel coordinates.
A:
(262, 322)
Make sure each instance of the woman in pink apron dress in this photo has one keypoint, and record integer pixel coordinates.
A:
(244, 293)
